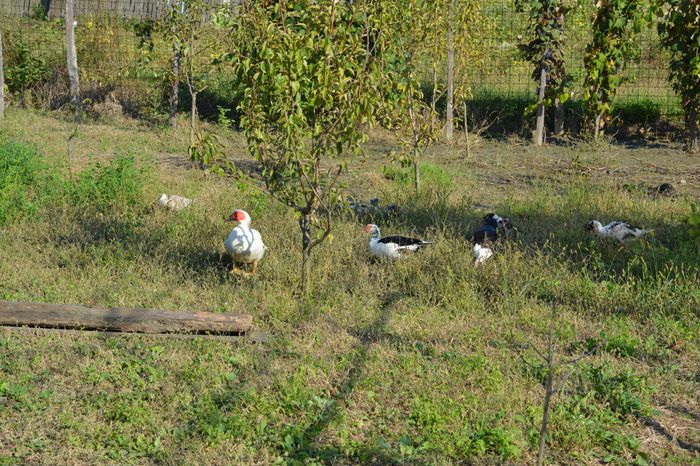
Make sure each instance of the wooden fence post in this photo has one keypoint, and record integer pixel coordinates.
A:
(539, 134)
(71, 54)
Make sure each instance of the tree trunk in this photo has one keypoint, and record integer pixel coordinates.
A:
(693, 143)
(558, 107)
(416, 172)
(539, 135)
(466, 127)
(558, 117)
(449, 110)
(193, 119)
(305, 227)
(433, 100)
(71, 55)
(596, 128)
(2, 83)
(174, 97)
(549, 391)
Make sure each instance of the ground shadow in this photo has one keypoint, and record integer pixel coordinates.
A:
(343, 388)
(128, 237)
(661, 430)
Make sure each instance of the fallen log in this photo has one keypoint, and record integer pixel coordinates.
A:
(120, 319)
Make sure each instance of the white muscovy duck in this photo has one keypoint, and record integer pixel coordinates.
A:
(174, 202)
(244, 244)
(391, 246)
(481, 254)
(618, 231)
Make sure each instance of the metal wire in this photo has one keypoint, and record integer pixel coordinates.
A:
(119, 47)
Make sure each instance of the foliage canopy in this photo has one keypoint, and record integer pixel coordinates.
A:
(680, 35)
(308, 83)
(615, 26)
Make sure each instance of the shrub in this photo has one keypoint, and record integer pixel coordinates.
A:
(25, 71)
(25, 181)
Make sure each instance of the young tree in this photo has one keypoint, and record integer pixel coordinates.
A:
(186, 24)
(308, 93)
(554, 366)
(545, 50)
(680, 35)
(454, 33)
(449, 108)
(174, 7)
(406, 111)
(615, 26)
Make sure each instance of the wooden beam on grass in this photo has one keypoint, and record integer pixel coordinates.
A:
(120, 319)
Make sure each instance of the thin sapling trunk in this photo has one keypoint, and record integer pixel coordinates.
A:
(416, 172)
(449, 110)
(549, 392)
(174, 96)
(193, 117)
(466, 128)
(433, 100)
(2, 83)
(693, 143)
(306, 245)
(558, 117)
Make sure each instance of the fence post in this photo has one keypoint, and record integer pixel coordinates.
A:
(2, 82)
(71, 54)
(539, 135)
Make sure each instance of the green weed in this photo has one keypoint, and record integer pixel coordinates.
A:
(117, 185)
(26, 182)
(431, 174)
(623, 393)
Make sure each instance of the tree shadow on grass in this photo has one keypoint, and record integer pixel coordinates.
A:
(125, 237)
(661, 430)
(308, 446)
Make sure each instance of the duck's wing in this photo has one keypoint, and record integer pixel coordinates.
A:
(239, 241)
(402, 241)
(483, 234)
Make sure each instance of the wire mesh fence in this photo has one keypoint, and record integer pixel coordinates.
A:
(122, 52)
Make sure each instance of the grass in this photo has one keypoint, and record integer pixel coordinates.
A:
(425, 361)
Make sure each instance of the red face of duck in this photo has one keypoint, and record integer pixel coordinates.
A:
(237, 216)
(371, 228)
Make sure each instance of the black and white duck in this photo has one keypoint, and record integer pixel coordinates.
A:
(391, 246)
(618, 231)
